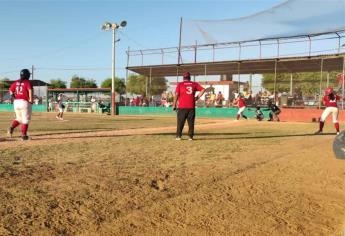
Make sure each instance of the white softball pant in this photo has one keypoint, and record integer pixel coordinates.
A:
(23, 110)
(329, 110)
(241, 110)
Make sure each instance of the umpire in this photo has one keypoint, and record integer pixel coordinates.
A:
(185, 96)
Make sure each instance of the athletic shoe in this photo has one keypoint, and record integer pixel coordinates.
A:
(178, 138)
(10, 132)
(190, 139)
(338, 133)
(25, 137)
(318, 132)
(58, 118)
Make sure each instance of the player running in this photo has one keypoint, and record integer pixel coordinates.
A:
(185, 95)
(21, 91)
(239, 101)
(330, 101)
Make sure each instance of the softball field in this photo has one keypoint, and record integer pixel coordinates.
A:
(98, 175)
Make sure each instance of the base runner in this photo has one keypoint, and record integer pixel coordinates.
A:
(330, 101)
(21, 91)
(185, 95)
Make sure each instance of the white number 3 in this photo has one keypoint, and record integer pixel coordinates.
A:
(189, 90)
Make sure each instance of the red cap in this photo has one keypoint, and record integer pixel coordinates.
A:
(186, 75)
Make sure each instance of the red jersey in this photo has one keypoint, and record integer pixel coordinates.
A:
(186, 91)
(241, 102)
(21, 89)
(330, 103)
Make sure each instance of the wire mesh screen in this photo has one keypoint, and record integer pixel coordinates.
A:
(285, 20)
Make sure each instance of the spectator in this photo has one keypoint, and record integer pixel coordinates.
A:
(219, 99)
(93, 104)
(212, 98)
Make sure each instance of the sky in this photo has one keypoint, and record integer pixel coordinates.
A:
(64, 38)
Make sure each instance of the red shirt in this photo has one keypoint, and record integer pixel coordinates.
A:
(241, 103)
(186, 91)
(330, 103)
(21, 89)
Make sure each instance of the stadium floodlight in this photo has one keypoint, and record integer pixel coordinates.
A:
(106, 27)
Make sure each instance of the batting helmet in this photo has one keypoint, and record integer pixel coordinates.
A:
(328, 90)
(24, 74)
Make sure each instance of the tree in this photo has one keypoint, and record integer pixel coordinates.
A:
(4, 83)
(137, 85)
(57, 83)
(4, 86)
(306, 82)
(120, 86)
(80, 82)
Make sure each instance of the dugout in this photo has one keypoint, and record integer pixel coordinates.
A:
(79, 99)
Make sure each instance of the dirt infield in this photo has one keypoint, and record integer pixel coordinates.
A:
(236, 178)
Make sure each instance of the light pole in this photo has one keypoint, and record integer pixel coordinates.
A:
(113, 26)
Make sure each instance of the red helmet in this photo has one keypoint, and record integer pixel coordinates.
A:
(328, 90)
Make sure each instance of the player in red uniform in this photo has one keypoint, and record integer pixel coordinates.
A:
(330, 101)
(239, 101)
(185, 95)
(21, 91)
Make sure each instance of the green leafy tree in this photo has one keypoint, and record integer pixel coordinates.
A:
(57, 83)
(306, 82)
(120, 86)
(137, 85)
(4, 86)
(80, 82)
(5, 83)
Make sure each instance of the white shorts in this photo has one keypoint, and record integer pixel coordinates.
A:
(329, 110)
(61, 109)
(23, 110)
(241, 110)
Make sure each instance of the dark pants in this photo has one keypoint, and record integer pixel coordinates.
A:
(183, 115)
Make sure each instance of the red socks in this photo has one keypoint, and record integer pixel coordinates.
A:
(336, 125)
(238, 117)
(15, 123)
(321, 125)
(24, 129)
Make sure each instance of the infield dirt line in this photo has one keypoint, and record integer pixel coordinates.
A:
(138, 131)
(218, 124)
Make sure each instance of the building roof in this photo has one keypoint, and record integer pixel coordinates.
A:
(62, 90)
(223, 82)
(330, 62)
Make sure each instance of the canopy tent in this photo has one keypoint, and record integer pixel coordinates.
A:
(293, 18)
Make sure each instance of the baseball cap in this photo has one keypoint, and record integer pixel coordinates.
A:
(186, 75)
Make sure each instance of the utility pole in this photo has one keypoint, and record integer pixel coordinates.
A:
(32, 72)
